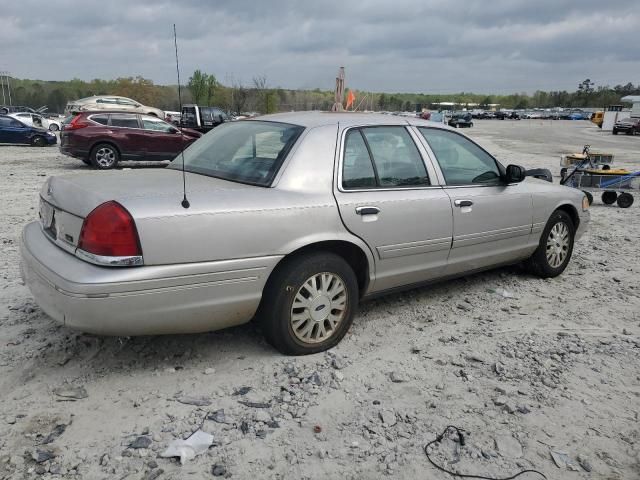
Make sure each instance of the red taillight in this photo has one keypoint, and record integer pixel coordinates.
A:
(109, 230)
(76, 123)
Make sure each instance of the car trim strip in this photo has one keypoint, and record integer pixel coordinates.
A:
(490, 236)
(414, 248)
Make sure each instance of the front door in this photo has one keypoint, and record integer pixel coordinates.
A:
(491, 220)
(389, 197)
(163, 141)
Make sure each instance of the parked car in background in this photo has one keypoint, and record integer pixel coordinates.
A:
(112, 103)
(293, 219)
(630, 126)
(37, 120)
(6, 109)
(202, 118)
(461, 120)
(15, 131)
(102, 139)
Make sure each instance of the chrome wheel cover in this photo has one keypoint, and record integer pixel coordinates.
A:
(318, 307)
(105, 157)
(558, 244)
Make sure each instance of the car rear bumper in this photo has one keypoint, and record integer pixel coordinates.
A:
(74, 152)
(146, 300)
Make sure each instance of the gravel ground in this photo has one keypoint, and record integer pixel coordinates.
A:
(531, 369)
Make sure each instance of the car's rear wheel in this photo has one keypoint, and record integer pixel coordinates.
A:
(104, 156)
(555, 248)
(309, 303)
(38, 141)
(615, 132)
(53, 127)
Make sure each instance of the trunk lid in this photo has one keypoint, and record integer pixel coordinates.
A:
(148, 195)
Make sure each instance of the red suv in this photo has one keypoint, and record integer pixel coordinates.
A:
(102, 139)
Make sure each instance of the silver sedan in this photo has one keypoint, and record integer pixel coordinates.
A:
(291, 219)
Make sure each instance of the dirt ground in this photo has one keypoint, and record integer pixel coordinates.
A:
(531, 369)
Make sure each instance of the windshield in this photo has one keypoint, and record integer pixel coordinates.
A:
(246, 151)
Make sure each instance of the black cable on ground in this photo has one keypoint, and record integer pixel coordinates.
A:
(459, 431)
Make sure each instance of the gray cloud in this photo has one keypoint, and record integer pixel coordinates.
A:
(398, 45)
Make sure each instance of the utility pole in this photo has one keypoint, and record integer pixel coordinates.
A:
(5, 83)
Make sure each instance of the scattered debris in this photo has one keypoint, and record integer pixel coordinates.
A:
(254, 404)
(562, 460)
(197, 401)
(70, 393)
(196, 444)
(398, 377)
(241, 391)
(42, 455)
(584, 462)
(508, 446)
(140, 442)
(218, 470)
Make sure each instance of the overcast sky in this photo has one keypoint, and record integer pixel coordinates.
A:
(386, 45)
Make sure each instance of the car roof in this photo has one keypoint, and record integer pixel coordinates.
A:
(94, 97)
(345, 119)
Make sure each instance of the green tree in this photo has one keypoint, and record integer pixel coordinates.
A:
(198, 86)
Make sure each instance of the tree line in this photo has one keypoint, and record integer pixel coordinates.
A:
(258, 96)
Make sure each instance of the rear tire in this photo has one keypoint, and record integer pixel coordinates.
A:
(615, 132)
(105, 156)
(625, 200)
(556, 246)
(53, 127)
(38, 141)
(302, 299)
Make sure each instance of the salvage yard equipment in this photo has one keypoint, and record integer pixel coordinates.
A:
(594, 174)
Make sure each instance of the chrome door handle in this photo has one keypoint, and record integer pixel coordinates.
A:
(367, 210)
(463, 203)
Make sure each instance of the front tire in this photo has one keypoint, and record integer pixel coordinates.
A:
(556, 246)
(38, 141)
(105, 156)
(53, 127)
(309, 303)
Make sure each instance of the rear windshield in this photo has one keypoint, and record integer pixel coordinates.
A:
(246, 151)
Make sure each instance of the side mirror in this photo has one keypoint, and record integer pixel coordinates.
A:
(515, 174)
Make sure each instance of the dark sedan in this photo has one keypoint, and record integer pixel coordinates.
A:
(461, 120)
(14, 131)
(630, 126)
(102, 139)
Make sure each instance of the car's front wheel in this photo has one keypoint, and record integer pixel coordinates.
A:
(555, 248)
(309, 303)
(104, 156)
(38, 141)
(53, 127)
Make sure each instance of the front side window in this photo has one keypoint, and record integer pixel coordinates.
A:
(394, 159)
(126, 121)
(156, 125)
(462, 162)
(247, 152)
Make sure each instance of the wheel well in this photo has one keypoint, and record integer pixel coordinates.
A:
(352, 254)
(572, 212)
(153, 113)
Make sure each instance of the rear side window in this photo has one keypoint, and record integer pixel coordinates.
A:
(391, 154)
(157, 125)
(127, 121)
(357, 168)
(101, 119)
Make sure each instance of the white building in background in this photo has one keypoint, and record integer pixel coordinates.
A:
(634, 100)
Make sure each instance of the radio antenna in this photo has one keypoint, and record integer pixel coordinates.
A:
(185, 203)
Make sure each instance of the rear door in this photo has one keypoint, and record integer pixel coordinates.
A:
(128, 135)
(163, 141)
(491, 220)
(389, 196)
